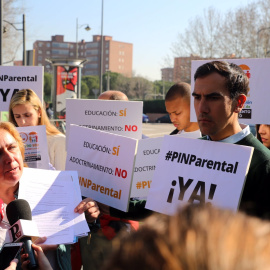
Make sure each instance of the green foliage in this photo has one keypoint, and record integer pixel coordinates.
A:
(136, 88)
(84, 90)
(47, 87)
(159, 85)
(92, 82)
(113, 81)
(154, 106)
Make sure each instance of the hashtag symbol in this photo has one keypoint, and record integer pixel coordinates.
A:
(138, 185)
(168, 155)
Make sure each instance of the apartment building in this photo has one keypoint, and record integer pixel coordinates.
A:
(167, 74)
(182, 68)
(117, 56)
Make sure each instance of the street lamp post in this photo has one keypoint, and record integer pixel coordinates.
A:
(23, 30)
(87, 28)
(108, 80)
(258, 32)
(1, 34)
(101, 51)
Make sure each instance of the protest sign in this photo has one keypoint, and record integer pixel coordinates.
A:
(117, 117)
(146, 160)
(35, 145)
(198, 171)
(15, 78)
(256, 109)
(53, 196)
(104, 162)
(145, 164)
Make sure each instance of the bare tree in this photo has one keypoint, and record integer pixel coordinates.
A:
(201, 37)
(238, 33)
(243, 32)
(12, 39)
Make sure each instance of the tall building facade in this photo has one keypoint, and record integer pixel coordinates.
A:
(117, 56)
(167, 74)
(182, 68)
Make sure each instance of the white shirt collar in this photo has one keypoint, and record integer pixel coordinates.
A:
(236, 137)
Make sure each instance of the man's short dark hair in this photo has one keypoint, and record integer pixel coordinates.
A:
(236, 80)
(178, 90)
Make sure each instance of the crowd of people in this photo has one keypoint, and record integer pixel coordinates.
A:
(196, 237)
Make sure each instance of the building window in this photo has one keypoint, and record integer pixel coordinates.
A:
(62, 52)
(71, 46)
(81, 53)
(71, 54)
(107, 51)
(91, 66)
(91, 45)
(107, 59)
(92, 52)
(40, 44)
(39, 64)
(91, 72)
(39, 58)
(60, 45)
(48, 45)
(48, 66)
(107, 66)
(48, 52)
(93, 58)
(39, 51)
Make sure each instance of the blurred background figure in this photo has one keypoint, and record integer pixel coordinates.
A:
(177, 103)
(25, 109)
(263, 134)
(196, 238)
(48, 110)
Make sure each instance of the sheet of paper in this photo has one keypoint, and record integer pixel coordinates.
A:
(52, 196)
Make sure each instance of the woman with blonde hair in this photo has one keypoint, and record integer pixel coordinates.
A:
(25, 109)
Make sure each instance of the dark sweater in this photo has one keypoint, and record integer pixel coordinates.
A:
(255, 199)
(256, 194)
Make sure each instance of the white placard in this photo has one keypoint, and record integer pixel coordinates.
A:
(145, 164)
(15, 78)
(36, 148)
(53, 196)
(117, 117)
(256, 109)
(104, 162)
(146, 161)
(198, 171)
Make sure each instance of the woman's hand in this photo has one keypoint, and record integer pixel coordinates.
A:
(39, 241)
(90, 207)
(13, 265)
(43, 263)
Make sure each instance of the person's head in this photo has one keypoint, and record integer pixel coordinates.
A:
(11, 155)
(25, 109)
(263, 134)
(220, 92)
(177, 103)
(113, 95)
(195, 237)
